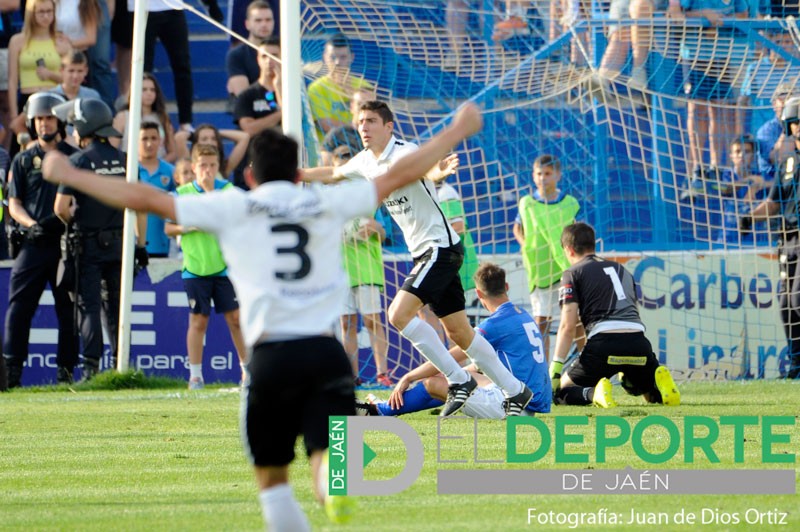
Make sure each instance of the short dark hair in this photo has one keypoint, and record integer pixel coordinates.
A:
(256, 5)
(272, 40)
(380, 108)
(746, 139)
(339, 40)
(74, 57)
(580, 237)
(491, 279)
(548, 160)
(273, 157)
(150, 124)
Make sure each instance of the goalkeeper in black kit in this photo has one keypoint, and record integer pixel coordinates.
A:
(782, 202)
(603, 293)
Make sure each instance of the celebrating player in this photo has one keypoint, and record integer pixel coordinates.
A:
(603, 293)
(434, 280)
(291, 289)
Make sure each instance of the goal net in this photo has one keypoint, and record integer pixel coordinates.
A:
(651, 118)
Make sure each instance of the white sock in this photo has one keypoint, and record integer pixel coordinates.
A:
(195, 370)
(281, 511)
(483, 354)
(427, 342)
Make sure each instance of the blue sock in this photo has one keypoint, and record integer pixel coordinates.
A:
(414, 400)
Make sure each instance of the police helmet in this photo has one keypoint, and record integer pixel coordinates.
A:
(89, 116)
(790, 114)
(42, 104)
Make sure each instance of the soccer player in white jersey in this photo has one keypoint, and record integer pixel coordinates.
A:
(434, 280)
(291, 288)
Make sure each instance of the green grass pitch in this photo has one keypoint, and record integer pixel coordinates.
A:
(168, 459)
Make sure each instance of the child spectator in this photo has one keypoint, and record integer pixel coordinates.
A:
(74, 69)
(542, 216)
(209, 134)
(183, 171)
(363, 262)
(748, 188)
(158, 173)
(205, 274)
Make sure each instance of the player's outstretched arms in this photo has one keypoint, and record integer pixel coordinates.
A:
(466, 123)
(321, 174)
(112, 191)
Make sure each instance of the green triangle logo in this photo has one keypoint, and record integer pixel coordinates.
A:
(369, 455)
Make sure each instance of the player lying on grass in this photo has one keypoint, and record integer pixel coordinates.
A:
(603, 293)
(511, 332)
(276, 239)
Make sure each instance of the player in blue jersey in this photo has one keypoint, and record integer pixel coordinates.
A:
(512, 333)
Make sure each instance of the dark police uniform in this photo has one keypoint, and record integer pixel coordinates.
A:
(100, 229)
(35, 266)
(606, 296)
(785, 193)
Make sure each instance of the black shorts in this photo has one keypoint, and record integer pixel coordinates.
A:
(606, 354)
(201, 290)
(435, 280)
(294, 386)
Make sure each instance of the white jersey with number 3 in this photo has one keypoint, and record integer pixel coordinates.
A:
(281, 244)
(414, 207)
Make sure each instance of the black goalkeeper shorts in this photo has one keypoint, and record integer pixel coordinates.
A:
(606, 354)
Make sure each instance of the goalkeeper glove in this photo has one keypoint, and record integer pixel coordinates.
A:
(555, 374)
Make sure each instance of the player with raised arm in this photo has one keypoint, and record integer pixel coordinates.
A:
(434, 280)
(603, 293)
(291, 289)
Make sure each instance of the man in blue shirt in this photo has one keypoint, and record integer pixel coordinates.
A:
(157, 173)
(513, 334)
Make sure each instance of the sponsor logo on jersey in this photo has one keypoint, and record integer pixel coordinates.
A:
(396, 202)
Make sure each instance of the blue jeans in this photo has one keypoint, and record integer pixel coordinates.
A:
(101, 78)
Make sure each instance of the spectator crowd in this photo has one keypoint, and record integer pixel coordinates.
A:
(63, 50)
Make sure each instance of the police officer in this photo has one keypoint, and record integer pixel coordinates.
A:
(31, 206)
(782, 202)
(99, 229)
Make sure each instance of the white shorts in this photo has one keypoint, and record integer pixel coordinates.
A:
(486, 403)
(364, 299)
(544, 302)
(4, 69)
